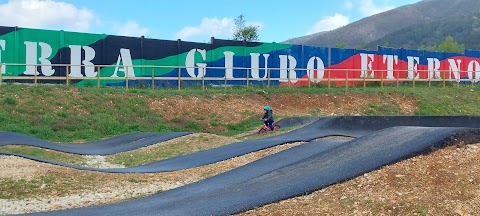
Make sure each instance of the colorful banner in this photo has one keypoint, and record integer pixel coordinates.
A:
(46, 53)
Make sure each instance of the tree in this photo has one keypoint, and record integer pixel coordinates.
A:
(448, 45)
(243, 32)
(340, 45)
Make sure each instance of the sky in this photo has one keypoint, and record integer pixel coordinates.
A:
(191, 20)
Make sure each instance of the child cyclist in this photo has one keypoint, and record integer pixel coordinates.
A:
(268, 117)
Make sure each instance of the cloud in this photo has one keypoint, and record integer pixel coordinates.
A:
(130, 28)
(369, 7)
(209, 27)
(45, 14)
(348, 5)
(329, 23)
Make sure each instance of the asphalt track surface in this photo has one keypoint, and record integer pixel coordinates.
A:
(299, 170)
(102, 147)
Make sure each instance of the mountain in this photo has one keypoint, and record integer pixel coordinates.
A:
(401, 22)
(465, 29)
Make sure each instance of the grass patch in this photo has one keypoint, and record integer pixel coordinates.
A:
(166, 150)
(16, 189)
(45, 154)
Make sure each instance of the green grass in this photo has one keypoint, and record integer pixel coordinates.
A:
(15, 189)
(45, 154)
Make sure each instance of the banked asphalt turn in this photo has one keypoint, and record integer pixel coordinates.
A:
(380, 140)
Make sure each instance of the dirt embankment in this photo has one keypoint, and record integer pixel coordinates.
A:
(234, 109)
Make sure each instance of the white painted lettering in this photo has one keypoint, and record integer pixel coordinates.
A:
(126, 58)
(366, 65)
(455, 67)
(474, 67)
(390, 60)
(287, 65)
(190, 63)
(255, 65)
(228, 64)
(311, 69)
(413, 67)
(433, 68)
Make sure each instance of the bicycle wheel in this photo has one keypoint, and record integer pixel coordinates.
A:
(276, 127)
(262, 131)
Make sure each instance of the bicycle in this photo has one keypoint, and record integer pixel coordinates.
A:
(265, 129)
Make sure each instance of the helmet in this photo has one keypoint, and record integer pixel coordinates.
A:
(267, 108)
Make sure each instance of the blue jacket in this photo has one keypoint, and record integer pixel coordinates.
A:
(268, 116)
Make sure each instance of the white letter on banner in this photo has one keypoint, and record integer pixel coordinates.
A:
(284, 60)
(190, 63)
(366, 65)
(46, 64)
(474, 66)
(31, 58)
(126, 59)
(454, 68)
(76, 60)
(433, 66)
(311, 68)
(228, 64)
(2, 47)
(255, 59)
(413, 66)
(390, 59)
(90, 67)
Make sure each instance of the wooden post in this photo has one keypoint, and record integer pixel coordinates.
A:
(98, 76)
(225, 82)
(414, 80)
(364, 81)
(288, 75)
(35, 75)
(444, 78)
(308, 75)
(398, 77)
(153, 78)
(268, 81)
(381, 79)
(1, 74)
(247, 77)
(126, 78)
(203, 78)
(430, 79)
(346, 81)
(67, 75)
(179, 71)
(328, 79)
